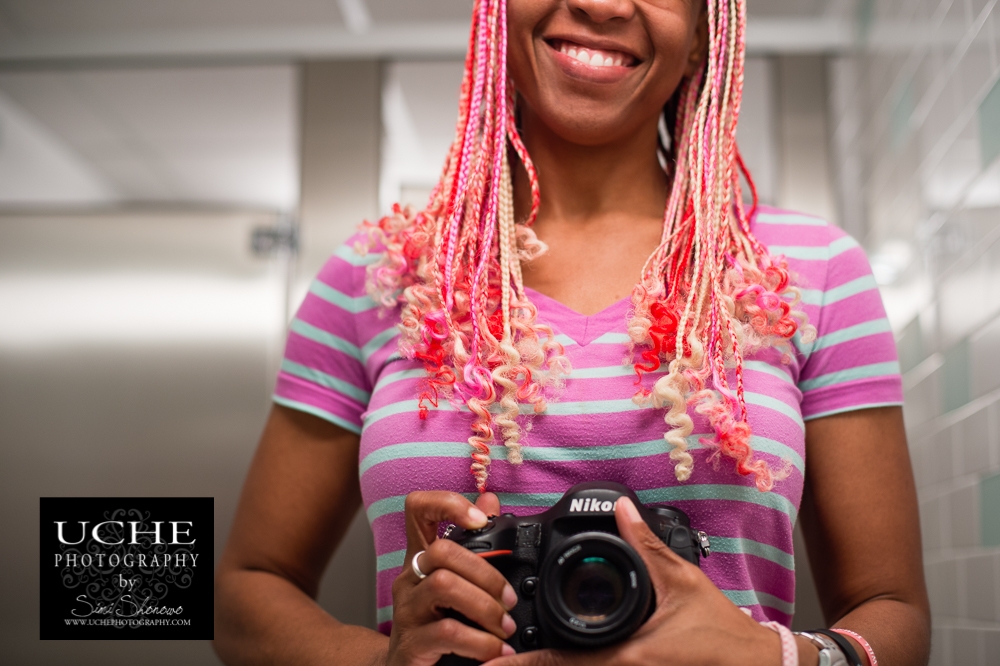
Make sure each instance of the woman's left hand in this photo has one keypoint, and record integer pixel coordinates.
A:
(694, 623)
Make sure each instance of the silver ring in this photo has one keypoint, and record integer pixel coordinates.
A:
(416, 568)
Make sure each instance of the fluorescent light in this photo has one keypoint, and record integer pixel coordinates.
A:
(136, 308)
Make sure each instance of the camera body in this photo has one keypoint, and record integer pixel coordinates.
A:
(579, 584)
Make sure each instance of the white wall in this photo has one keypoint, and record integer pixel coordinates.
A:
(917, 142)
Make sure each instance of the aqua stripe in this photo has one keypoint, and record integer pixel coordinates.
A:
(851, 333)
(887, 369)
(395, 559)
(601, 372)
(384, 507)
(751, 598)
(342, 300)
(612, 339)
(325, 380)
(780, 218)
(716, 492)
(589, 407)
(392, 378)
(699, 492)
(391, 560)
(738, 546)
(806, 252)
(777, 405)
(324, 338)
(746, 598)
(852, 288)
(565, 340)
(351, 256)
(767, 368)
(316, 411)
(409, 450)
(379, 341)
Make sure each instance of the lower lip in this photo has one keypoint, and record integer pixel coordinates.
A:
(577, 70)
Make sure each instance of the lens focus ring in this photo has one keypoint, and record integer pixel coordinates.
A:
(593, 590)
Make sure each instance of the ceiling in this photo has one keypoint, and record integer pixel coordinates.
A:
(44, 31)
(195, 101)
(20, 18)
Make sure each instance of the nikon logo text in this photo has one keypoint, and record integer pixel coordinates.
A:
(591, 504)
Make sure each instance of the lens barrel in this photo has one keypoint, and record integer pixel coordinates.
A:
(593, 590)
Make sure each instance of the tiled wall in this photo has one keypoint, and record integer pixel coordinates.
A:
(916, 152)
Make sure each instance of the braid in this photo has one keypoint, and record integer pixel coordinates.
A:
(707, 296)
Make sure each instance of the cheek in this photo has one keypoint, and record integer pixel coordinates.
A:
(523, 17)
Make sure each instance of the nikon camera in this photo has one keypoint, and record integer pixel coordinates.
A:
(579, 584)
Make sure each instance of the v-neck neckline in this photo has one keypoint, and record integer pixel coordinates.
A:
(582, 329)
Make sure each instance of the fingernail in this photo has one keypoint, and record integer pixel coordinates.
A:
(477, 517)
(630, 511)
(508, 625)
(509, 597)
(506, 651)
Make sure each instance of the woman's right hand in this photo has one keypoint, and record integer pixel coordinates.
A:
(457, 579)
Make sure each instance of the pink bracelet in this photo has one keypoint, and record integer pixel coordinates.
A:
(862, 641)
(789, 648)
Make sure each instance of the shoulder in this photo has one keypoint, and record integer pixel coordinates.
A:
(818, 252)
(799, 235)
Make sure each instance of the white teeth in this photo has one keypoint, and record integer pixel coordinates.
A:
(595, 59)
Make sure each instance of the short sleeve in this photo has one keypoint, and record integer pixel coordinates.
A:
(852, 364)
(323, 369)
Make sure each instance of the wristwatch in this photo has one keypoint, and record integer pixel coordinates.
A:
(830, 653)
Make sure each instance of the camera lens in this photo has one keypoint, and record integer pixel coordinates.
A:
(593, 589)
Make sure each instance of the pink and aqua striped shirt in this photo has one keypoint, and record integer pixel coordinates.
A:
(342, 364)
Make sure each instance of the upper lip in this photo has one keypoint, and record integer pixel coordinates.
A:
(594, 42)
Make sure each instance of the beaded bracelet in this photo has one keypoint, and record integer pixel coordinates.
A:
(864, 644)
(789, 648)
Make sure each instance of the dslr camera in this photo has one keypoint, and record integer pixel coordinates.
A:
(579, 584)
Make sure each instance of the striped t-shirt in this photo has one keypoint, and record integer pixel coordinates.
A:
(342, 364)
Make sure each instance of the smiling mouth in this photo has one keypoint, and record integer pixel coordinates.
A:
(591, 56)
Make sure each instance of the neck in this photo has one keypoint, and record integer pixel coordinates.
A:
(587, 185)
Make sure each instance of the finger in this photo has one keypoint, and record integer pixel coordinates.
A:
(489, 504)
(664, 565)
(444, 590)
(449, 636)
(449, 555)
(425, 510)
(554, 658)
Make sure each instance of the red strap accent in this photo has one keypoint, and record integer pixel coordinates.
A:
(495, 553)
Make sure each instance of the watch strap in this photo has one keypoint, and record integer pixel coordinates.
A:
(845, 646)
(830, 653)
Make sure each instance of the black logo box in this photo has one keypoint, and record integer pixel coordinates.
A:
(139, 568)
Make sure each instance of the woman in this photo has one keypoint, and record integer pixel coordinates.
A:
(544, 257)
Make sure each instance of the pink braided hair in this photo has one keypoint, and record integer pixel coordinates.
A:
(709, 295)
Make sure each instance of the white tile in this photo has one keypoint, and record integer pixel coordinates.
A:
(981, 588)
(963, 512)
(974, 442)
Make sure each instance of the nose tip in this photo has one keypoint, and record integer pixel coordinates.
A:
(602, 11)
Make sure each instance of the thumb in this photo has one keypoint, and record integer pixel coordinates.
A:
(489, 504)
(664, 565)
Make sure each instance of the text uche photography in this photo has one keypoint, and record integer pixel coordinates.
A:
(126, 568)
